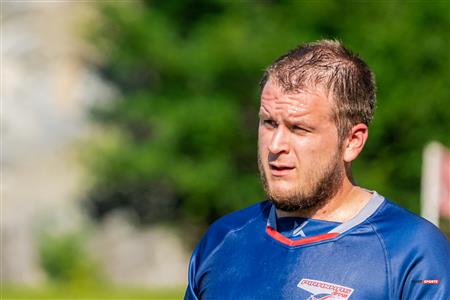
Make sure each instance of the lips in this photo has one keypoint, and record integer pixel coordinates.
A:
(280, 169)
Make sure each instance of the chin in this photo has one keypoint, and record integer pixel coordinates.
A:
(282, 188)
(281, 195)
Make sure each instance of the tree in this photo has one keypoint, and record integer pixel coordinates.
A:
(182, 137)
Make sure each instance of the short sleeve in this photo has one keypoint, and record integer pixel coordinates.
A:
(429, 271)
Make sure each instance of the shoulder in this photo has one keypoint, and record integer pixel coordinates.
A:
(233, 222)
(415, 250)
(238, 219)
(410, 240)
(393, 221)
(216, 235)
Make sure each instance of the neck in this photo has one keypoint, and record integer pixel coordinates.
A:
(343, 206)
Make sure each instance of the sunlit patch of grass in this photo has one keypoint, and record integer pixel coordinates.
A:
(97, 293)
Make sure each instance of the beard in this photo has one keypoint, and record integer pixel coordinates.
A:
(321, 186)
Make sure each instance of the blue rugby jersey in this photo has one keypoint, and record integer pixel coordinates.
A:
(385, 252)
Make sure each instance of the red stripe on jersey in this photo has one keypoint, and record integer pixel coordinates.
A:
(282, 239)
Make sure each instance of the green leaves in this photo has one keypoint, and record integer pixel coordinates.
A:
(189, 72)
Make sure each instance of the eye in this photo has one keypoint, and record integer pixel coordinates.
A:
(299, 129)
(270, 123)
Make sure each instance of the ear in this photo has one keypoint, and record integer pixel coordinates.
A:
(355, 141)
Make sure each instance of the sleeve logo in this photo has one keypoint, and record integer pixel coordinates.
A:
(322, 290)
(428, 281)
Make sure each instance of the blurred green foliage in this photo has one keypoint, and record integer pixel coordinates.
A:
(66, 262)
(181, 140)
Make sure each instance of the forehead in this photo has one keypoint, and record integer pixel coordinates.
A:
(305, 102)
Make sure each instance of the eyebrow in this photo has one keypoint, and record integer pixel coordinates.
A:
(263, 111)
(263, 114)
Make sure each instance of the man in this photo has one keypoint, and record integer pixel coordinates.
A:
(319, 236)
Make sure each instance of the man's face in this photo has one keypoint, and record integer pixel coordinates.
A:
(299, 158)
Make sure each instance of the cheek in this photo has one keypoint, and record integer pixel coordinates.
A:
(264, 139)
(307, 146)
(315, 150)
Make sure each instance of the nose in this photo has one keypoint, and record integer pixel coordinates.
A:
(280, 141)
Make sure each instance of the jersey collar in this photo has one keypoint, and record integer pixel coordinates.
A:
(271, 228)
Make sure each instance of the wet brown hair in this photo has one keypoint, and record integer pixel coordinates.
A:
(343, 75)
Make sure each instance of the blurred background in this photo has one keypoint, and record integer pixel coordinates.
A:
(129, 126)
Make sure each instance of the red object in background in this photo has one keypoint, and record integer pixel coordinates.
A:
(444, 203)
(435, 189)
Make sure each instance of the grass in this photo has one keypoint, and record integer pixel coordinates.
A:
(98, 293)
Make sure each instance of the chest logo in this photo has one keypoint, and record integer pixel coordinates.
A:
(322, 290)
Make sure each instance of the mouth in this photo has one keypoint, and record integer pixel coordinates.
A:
(279, 170)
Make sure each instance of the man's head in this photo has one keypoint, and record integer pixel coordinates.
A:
(328, 65)
(316, 104)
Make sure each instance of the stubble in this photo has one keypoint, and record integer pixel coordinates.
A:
(322, 185)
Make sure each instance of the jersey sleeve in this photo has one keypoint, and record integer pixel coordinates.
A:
(211, 243)
(207, 245)
(192, 288)
(417, 255)
(429, 270)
